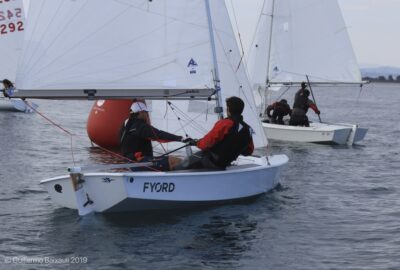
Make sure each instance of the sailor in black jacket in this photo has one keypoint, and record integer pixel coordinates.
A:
(136, 136)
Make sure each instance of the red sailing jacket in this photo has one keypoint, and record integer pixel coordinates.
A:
(220, 131)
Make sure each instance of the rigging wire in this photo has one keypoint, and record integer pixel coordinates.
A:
(228, 60)
(179, 119)
(284, 92)
(239, 35)
(191, 121)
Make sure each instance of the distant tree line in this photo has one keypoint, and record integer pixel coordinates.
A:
(389, 79)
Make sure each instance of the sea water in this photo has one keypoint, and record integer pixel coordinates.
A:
(337, 207)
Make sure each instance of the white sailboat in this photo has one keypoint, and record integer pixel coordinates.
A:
(174, 52)
(304, 41)
(12, 25)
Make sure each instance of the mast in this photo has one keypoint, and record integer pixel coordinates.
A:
(218, 108)
(270, 42)
(268, 57)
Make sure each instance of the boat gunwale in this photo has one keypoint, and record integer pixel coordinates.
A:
(322, 128)
(281, 160)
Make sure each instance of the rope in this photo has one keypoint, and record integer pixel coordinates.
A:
(72, 135)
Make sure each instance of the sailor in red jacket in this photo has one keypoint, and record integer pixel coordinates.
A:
(229, 138)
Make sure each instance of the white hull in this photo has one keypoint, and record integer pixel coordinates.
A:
(16, 105)
(138, 191)
(317, 133)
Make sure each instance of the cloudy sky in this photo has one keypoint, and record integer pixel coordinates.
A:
(374, 30)
(373, 26)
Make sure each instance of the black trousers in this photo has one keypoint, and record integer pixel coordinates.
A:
(299, 120)
(277, 118)
(199, 160)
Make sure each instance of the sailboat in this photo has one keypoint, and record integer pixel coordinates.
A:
(12, 25)
(303, 41)
(181, 54)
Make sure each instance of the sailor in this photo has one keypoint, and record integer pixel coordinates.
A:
(8, 88)
(280, 109)
(300, 107)
(229, 138)
(136, 136)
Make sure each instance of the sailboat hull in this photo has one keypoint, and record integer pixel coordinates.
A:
(16, 105)
(317, 133)
(119, 192)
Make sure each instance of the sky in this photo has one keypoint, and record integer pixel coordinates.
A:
(373, 26)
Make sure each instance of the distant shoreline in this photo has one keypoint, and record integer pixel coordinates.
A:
(382, 79)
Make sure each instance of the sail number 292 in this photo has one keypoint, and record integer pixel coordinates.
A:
(11, 27)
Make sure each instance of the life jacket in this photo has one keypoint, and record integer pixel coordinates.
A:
(233, 144)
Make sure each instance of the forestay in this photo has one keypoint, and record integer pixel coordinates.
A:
(12, 25)
(298, 38)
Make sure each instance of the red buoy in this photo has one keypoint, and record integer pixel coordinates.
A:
(105, 121)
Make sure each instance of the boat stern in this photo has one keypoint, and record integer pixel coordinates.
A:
(61, 191)
(87, 192)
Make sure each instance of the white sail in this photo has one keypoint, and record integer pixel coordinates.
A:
(116, 45)
(12, 25)
(299, 38)
(123, 49)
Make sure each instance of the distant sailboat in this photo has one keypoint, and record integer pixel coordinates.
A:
(304, 41)
(183, 55)
(12, 26)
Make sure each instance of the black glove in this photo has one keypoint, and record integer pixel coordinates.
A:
(193, 142)
(186, 140)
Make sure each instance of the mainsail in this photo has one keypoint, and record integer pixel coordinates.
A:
(12, 25)
(298, 38)
(164, 49)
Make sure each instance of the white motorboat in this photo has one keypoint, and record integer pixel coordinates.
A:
(184, 54)
(303, 41)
